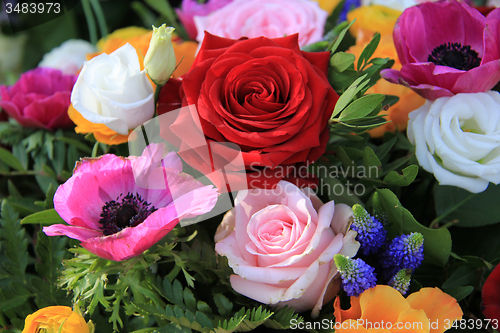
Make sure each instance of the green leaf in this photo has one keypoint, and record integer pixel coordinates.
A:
(470, 210)
(349, 94)
(340, 193)
(408, 176)
(369, 50)
(15, 242)
(335, 44)
(464, 275)
(224, 305)
(341, 61)
(44, 218)
(437, 242)
(10, 160)
(370, 160)
(20, 153)
(361, 107)
(75, 143)
(459, 293)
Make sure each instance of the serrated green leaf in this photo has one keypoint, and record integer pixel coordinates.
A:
(223, 304)
(20, 153)
(9, 159)
(408, 176)
(341, 61)
(44, 218)
(361, 107)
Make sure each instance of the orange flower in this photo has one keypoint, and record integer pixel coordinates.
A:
(429, 310)
(54, 319)
(101, 132)
(372, 19)
(409, 101)
(139, 38)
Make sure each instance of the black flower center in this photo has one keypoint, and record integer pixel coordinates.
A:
(455, 55)
(118, 214)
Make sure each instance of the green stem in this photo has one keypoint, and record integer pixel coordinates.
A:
(101, 18)
(157, 95)
(89, 16)
(438, 219)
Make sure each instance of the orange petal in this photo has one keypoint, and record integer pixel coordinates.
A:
(354, 312)
(101, 132)
(350, 326)
(438, 306)
(414, 321)
(186, 52)
(382, 303)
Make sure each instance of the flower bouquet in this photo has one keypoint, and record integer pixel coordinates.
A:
(303, 165)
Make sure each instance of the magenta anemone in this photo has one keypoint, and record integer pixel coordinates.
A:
(119, 207)
(446, 48)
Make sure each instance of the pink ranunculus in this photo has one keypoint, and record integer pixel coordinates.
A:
(114, 211)
(280, 244)
(40, 98)
(191, 8)
(268, 18)
(446, 48)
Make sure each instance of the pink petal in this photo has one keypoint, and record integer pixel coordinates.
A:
(82, 234)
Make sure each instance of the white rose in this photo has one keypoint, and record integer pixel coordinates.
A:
(68, 57)
(458, 139)
(493, 3)
(112, 90)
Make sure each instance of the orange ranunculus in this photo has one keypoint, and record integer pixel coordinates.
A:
(139, 38)
(101, 132)
(409, 101)
(372, 19)
(50, 320)
(427, 311)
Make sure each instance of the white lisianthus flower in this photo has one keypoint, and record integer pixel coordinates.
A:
(112, 90)
(68, 57)
(160, 60)
(458, 139)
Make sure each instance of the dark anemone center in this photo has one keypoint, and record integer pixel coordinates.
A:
(118, 214)
(455, 55)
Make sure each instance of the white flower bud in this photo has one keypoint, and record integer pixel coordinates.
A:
(160, 59)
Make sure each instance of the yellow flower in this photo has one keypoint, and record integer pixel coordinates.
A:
(160, 58)
(372, 19)
(383, 307)
(328, 5)
(409, 100)
(54, 319)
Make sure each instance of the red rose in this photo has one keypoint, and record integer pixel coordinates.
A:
(264, 95)
(491, 295)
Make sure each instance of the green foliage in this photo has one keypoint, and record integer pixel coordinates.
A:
(467, 209)
(437, 242)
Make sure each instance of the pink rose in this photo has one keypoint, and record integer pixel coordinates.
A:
(268, 18)
(191, 8)
(280, 244)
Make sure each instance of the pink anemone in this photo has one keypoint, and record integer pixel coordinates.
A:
(446, 48)
(119, 207)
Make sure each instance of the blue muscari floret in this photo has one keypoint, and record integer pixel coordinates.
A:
(357, 276)
(348, 6)
(404, 252)
(371, 233)
(401, 281)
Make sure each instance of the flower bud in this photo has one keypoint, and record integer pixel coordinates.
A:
(160, 59)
